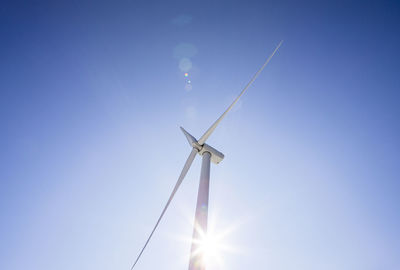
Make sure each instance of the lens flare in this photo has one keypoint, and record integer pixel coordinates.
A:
(185, 64)
(188, 87)
(186, 74)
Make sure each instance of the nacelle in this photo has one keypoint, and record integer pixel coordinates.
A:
(216, 156)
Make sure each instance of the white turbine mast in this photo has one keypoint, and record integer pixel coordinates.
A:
(209, 154)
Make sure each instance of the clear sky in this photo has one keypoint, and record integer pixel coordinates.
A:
(92, 97)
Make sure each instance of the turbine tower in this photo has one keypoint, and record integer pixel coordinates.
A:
(209, 154)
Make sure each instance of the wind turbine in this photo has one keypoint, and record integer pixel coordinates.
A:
(209, 154)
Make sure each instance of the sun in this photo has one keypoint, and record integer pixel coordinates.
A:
(210, 248)
(214, 247)
(207, 250)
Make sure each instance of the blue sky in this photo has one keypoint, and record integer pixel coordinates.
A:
(92, 97)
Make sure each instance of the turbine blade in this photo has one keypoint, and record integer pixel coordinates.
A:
(189, 137)
(178, 183)
(207, 134)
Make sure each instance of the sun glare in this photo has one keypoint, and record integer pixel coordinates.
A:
(212, 246)
(212, 249)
